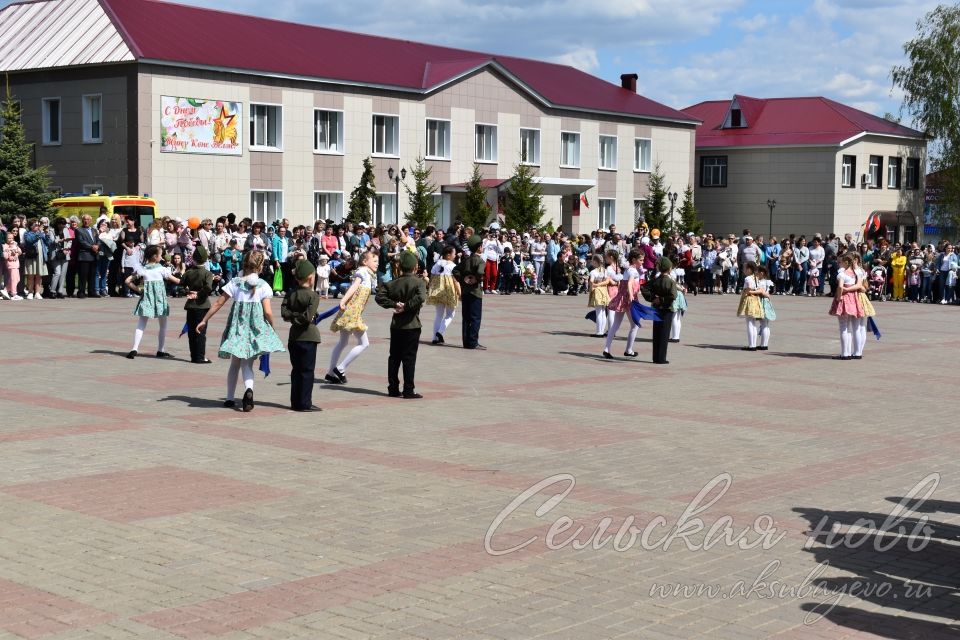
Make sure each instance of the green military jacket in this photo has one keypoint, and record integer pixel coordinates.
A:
(412, 292)
(299, 309)
(200, 280)
(472, 268)
(663, 291)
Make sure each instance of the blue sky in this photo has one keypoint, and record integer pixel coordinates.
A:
(685, 51)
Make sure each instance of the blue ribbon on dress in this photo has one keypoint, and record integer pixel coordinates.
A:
(265, 364)
(184, 330)
(640, 312)
(872, 325)
(320, 317)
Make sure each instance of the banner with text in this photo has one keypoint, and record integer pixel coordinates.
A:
(188, 125)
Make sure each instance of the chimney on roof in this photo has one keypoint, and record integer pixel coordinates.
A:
(629, 81)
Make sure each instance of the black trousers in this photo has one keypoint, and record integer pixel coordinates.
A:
(86, 280)
(472, 313)
(198, 341)
(71, 268)
(661, 335)
(404, 344)
(303, 360)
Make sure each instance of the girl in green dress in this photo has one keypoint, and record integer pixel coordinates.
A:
(153, 299)
(249, 332)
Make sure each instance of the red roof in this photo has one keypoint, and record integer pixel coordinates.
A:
(788, 122)
(173, 33)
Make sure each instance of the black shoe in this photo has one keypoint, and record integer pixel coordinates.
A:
(841, 357)
(340, 376)
(435, 342)
(607, 356)
(132, 355)
(630, 354)
(480, 347)
(412, 396)
(163, 354)
(309, 409)
(676, 340)
(662, 362)
(332, 379)
(229, 404)
(748, 348)
(394, 394)
(857, 357)
(248, 400)
(763, 348)
(80, 296)
(204, 361)
(439, 338)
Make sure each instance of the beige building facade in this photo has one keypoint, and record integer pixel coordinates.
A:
(301, 142)
(825, 175)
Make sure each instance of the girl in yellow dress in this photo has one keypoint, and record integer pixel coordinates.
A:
(444, 293)
(349, 320)
(751, 306)
(898, 264)
(599, 295)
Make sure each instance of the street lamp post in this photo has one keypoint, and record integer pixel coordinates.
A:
(771, 204)
(396, 180)
(672, 197)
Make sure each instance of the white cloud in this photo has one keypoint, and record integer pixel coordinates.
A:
(755, 23)
(583, 58)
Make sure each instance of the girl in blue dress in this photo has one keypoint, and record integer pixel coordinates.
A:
(153, 298)
(249, 332)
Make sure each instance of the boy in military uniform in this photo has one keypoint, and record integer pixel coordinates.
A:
(198, 282)
(405, 295)
(661, 292)
(470, 275)
(299, 309)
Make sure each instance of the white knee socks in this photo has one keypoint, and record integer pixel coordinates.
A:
(846, 337)
(162, 338)
(675, 327)
(236, 366)
(764, 333)
(859, 335)
(631, 336)
(443, 318)
(612, 331)
(753, 326)
(601, 320)
(362, 343)
(138, 332)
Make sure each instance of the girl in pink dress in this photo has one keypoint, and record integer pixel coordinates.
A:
(847, 306)
(628, 285)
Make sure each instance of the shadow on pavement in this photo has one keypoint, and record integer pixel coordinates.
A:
(901, 563)
(804, 356)
(211, 403)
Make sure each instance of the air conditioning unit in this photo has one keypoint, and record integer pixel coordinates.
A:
(866, 180)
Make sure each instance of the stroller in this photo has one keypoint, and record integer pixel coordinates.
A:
(878, 284)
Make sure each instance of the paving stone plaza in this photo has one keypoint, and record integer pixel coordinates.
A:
(132, 505)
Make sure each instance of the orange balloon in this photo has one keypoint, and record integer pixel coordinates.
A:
(193, 223)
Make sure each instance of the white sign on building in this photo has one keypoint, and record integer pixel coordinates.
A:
(189, 125)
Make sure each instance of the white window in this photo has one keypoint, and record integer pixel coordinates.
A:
(876, 169)
(328, 131)
(328, 205)
(570, 150)
(713, 171)
(608, 152)
(893, 172)
(486, 143)
(384, 209)
(642, 155)
(608, 212)
(266, 206)
(438, 139)
(266, 126)
(90, 189)
(92, 116)
(639, 210)
(51, 120)
(848, 169)
(386, 135)
(530, 146)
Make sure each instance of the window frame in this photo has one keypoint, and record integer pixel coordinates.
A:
(253, 128)
(340, 129)
(476, 143)
(852, 183)
(723, 171)
(616, 152)
(895, 161)
(612, 202)
(639, 169)
(316, 203)
(915, 184)
(538, 138)
(87, 118)
(266, 220)
(878, 183)
(45, 121)
(373, 211)
(90, 189)
(373, 131)
(426, 142)
(579, 149)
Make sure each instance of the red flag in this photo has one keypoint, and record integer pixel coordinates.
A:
(583, 199)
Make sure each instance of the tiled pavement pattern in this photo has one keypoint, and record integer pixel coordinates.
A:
(133, 506)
